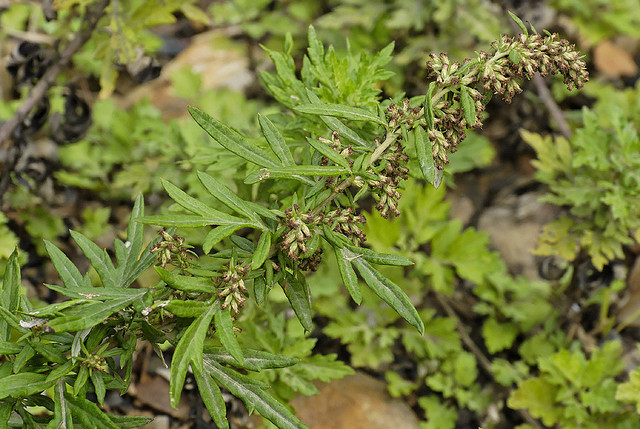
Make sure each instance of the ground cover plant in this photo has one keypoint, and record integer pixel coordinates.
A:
(316, 186)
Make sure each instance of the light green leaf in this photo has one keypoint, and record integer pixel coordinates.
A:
(10, 292)
(275, 140)
(389, 292)
(262, 250)
(215, 235)
(329, 153)
(188, 351)
(194, 221)
(24, 384)
(231, 140)
(190, 308)
(519, 22)
(224, 330)
(186, 283)
(99, 259)
(428, 106)
(340, 111)
(468, 106)
(226, 196)
(68, 272)
(381, 258)
(254, 397)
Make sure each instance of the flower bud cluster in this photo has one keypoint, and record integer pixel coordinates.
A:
(294, 241)
(385, 187)
(232, 291)
(172, 250)
(345, 222)
(336, 144)
(512, 59)
(403, 114)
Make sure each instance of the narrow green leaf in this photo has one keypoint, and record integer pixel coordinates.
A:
(129, 422)
(10, 292)
(194, 221)
(215, 235)
(349, 277)
(227, 197)
(389, 292)
(96, 293)
(130, 265)
(329, 153)
(428, 106)
(340, 111)
(62, 418)
(49, 351)
(188, 350)
(68, 272)
(22, 358)
(98, 258)
(231, 140)
(10, 348)
(262, 250)
(6, 408)
(519, 22)
(212, 398)
(315, 49)
(190, 309)
(224, 330)
(336, 125)
(298, 296)
(468, 106)
(337, 240)
(86, 414)
(12, 320)
(381, 258)
(424, 156)
(293, 171)
(276, 141)
(254, 360)
(24, 384)
(98, 386)
(259, 289)
(186, 283)
(253, 397)
(61, 370)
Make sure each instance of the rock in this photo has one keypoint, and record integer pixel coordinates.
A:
(355, 402)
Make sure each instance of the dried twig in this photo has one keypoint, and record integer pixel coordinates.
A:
(48, 79)
(552, 106)
(484, 362)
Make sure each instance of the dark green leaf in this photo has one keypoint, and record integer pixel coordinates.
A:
(349, 277)
(10, 292)
(329, 153)
(231, 140)
(12, 320)
(81, 380)
(424, 156)
(226, 196)
(212, 398)
(9, 348)
(294, 171)
(389, 292)
(68, 272)
(262, 250)
(130, 264)
(61, 371)
(468, 106)
(380, 258)
(62, 418)
(129, 422)
(24, 384)
(336, 125)
(340, 111)
(98, 386)
(215, 235)
(298, 296)
(188, 351)
(259, 289)
(186, 283)
(254, 397)
(254, 360)
(224, 330)
(87, 414)
(194, 221)
(187, 308)
(275, 140)
(99, 259)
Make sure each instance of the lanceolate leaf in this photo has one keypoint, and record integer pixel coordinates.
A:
(294, 171)
(130, 263)
(380, 258)
(24, 384)
(186, 283)
(336, 125)
(262, 250)
(275, 140)
(212, 398)
(340, 111)
(468, 106)
(254, 360)
(216, 235)
(254, 397)
(188, 351)
(226, 196)
(10, 292)
(389, 292)
(224, 330)
(67, 271)
(344, 257)
(298, 296)
(99, 259)
(231, 140)
(425, 160)
(194, 221)
(428, 106)
(329, 153)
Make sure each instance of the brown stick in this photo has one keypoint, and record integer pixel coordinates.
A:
(552, 106)
(46, 82)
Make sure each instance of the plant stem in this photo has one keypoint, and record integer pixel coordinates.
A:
(39, 91)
